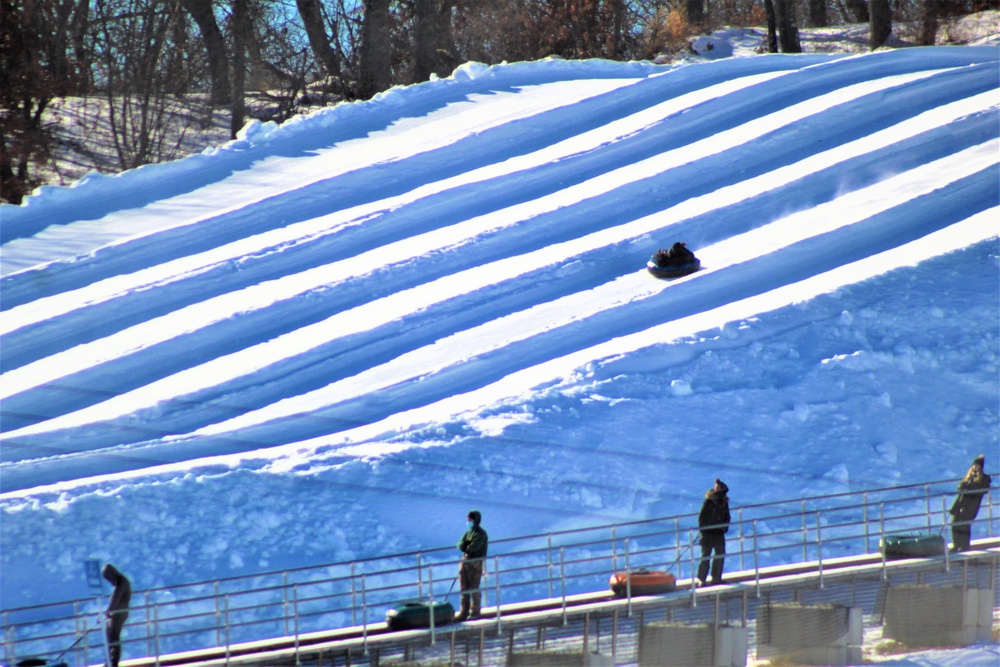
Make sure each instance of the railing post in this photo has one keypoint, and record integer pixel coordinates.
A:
(756, 559)
(364, 617)
(819, 549)
(430, 589)
(149, 623)
(989, 512)
(562, 577)
(805, 533)
(354, 602)
(677, 541)
(614, 549)
(694, 591)
(218, 616)
(864, 506)
(628, 581)
(549, 557)
(284, 599)
(881, 532)
(496, 582)
(9, 638)
(156, 633)
(927, 504)
(739, 518)
(420, 577)
(944, 528)
(225, 617)
(295, 616)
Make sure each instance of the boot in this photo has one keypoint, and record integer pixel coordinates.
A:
(464, 611)
(476, 598)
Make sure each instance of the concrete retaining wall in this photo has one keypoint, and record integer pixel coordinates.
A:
(922, 615)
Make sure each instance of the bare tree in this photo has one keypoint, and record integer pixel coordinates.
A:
(433, 49)
(375, 57)
(311, 12)
(39, 42)
(695, 11)
(772, 26)
(146, 126)
(817, 14)
(788, 31)
(241, 36)
(880, 26)
(202, 13)
(930, 10)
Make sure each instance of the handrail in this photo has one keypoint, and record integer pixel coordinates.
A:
(765, 533)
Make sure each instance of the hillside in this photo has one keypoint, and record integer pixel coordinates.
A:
(329, 339)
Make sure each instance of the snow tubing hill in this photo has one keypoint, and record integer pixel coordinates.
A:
(915, 545)
(675, 271)
(644, 582)
(417, 614)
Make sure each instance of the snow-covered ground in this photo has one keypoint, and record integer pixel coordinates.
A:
(329, 340)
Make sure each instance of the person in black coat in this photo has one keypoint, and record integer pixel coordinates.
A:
(121, 596)
(971, 490)
(470, 571)
(713, 522)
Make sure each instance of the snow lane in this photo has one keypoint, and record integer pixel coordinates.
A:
(50, 307)
(373, 440)
(859, 204)
(188, 319)
(368, 440)
(253, 186)
(844, 211)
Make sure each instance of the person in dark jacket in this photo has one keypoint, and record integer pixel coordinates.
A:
(470, 571)
(713, 522)
(121, 596)
(971, 490)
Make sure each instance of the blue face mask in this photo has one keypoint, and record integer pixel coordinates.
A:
(470, 524)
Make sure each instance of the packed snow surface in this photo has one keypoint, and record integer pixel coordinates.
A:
(330, 339)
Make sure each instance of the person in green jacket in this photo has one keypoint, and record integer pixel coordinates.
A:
(470, 571)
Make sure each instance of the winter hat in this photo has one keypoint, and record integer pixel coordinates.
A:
(722, 485)
(981, 460)
(475, 516)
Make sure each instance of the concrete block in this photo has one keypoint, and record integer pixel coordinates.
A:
(665, 644)
(821, 634)
(923, 615)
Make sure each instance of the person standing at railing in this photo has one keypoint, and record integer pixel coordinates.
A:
(971, 490)
(713, 522)
(117, 612)
(470, 571)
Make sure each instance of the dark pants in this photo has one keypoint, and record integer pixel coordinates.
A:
(470, 572)
(712, 542)
(113, 629)
(961, 536)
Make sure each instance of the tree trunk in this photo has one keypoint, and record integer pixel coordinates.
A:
(241, 22)
(617, 22)
(215, 48)
(788, 31)
(695, 11)
(772, 27)
(858, 10)
(426, 39)
(880, 26)
(817, 14)
(375, 64)
(929, 23)
(311, 12)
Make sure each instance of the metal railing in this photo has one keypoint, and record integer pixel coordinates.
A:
(554, 566)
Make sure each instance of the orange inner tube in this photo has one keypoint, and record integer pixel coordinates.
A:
(643, 581)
